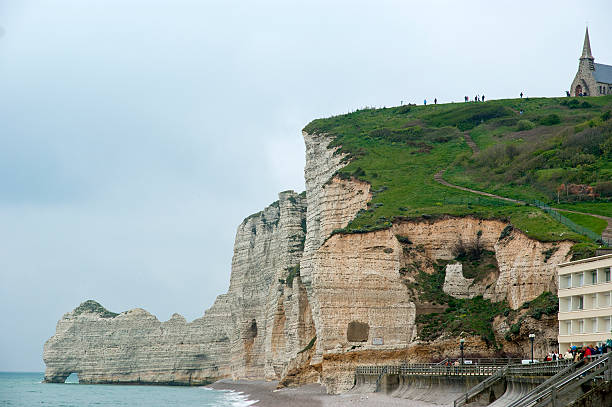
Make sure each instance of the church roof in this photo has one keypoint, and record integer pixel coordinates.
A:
(603, 73)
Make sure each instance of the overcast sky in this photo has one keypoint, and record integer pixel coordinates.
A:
(135, 135)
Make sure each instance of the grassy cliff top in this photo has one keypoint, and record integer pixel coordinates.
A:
(93, 307)
(522, 149)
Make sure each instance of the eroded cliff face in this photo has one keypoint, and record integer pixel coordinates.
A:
(357, 284)
(360, 278)
(135, 347)
(307, 305)
(267, 245)
(250, 332)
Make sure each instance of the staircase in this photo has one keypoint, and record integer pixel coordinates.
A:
(562, 385)
(558, 390)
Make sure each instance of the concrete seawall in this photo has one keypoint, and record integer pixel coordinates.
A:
(445, 390)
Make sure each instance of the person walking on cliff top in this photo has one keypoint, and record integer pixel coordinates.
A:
(483, 98)
(435, 101)
(425, 102)
(521, 95)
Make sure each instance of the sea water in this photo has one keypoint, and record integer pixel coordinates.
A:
(27, 389)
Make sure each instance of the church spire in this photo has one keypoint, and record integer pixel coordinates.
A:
(586, 48)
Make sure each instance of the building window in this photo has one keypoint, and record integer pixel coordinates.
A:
(594, 277)
(566, 281)
(607, 274)
(581, 326)
(578, 279)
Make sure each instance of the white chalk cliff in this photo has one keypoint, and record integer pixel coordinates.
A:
(292, 281)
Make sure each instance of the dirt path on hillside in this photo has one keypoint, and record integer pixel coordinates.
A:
(606, 234)
(470, 142)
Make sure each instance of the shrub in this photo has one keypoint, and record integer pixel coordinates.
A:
(548, 253)
(468, 116)
(91, 306)
(472, 250)
(605, 116)
(403, 239)
(604, 188)
(506, 232)
(309, 346)
(581, 251)
(523, 125)
(293, 272)
(403, 109)
(550, 119)
(545, 304)
(575, 104)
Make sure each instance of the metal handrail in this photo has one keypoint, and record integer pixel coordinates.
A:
(548, 382)
(558, 385)
(480, 365)
(491, 380)
(430, 370)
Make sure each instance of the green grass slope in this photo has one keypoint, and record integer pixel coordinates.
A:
(522, 155)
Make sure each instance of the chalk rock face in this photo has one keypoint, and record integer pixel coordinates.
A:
(456, 284)
(268, 245)
(332, 204)
(305, 304)
(135, 347)
(359, 278)
(250, 332)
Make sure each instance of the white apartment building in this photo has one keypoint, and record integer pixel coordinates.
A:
(585, 303)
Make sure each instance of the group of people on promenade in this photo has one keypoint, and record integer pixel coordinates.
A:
(577, 353)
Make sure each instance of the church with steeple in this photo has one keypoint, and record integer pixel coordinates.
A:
(592, 79)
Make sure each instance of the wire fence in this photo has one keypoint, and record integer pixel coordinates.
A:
(572, 225)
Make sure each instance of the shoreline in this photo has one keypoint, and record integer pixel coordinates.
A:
(264, 394)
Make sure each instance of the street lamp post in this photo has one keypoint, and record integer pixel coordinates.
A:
(461, 342)
(531, 338)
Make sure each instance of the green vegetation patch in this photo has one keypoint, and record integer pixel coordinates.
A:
(309, 346)
(398, 151)
(480, 268)
(292, 272)
(91, 306)
(597, 225)
(538, 162)
(597, 208)
(472, 316)
(467, 116)
(581, 251)
(546, 303)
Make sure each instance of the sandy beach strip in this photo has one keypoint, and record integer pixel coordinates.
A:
(311, 395)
